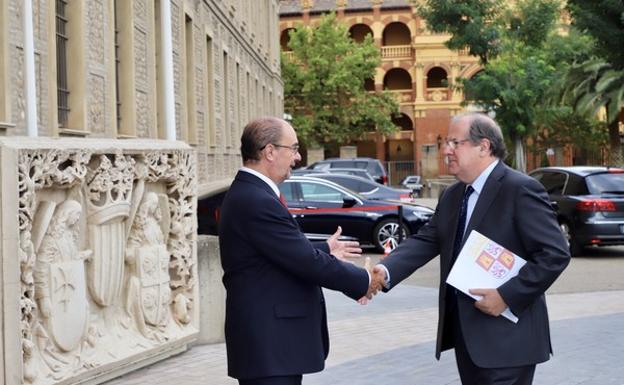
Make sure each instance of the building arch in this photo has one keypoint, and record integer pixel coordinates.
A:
(369, 84)
(285, 39)
(403, 121)
(437, 77)
(397, 79)
(470, 71)
(396, 33)
(358, 32)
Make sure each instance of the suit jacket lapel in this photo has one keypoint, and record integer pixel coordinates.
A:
(487, 196)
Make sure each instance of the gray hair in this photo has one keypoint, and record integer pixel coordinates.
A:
(257, 134)
(484, 127)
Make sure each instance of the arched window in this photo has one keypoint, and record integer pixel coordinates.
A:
(369, 84)
(437, 78)
(403, 121)
(396, 33)
(359, 31)
(285, 39)
(397, 79)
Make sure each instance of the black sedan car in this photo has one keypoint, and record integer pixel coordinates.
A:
(320, 206)
(589, 202)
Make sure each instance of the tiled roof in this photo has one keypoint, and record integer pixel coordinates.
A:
(320, 6)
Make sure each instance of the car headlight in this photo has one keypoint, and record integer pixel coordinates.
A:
(422, 215)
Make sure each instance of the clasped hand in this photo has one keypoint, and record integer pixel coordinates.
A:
(377, 281)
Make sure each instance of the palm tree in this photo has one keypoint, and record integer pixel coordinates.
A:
(593, 85)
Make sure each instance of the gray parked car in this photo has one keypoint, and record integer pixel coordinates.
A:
(372, 166)
(589, 203)
(367, 188)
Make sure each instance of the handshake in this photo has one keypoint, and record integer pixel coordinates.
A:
(343, 250)
(377, 281)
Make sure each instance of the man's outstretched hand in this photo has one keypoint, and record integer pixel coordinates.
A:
(343, 249)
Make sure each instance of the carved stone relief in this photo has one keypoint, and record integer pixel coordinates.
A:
(96, 31)
(97, 105)
(106, 256)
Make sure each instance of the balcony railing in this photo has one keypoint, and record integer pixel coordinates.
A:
(438, 94)
(403, 96)
(396, 51)
(289, 54)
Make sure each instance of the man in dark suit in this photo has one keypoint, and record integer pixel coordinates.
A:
(513, 210)
(276, 325)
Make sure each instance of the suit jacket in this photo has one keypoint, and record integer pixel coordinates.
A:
(514, 211)
(275, 320)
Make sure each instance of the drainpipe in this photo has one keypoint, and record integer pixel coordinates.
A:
(29, 71)
(167, 66)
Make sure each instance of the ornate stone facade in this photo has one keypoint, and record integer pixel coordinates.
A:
(106, 255)
(112, 67)
(98, 222)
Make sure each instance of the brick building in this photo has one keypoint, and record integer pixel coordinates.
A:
(416, 66)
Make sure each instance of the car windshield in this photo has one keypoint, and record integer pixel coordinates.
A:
(606, 183)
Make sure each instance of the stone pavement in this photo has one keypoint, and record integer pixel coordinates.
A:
(391, 341)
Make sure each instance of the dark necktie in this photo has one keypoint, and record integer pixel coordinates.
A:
(451, 300)
(461, 222)
(282, 200)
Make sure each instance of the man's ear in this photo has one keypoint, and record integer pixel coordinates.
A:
(269, 152)
(485, 147)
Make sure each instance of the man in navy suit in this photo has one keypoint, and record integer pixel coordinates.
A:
(275, 323)
(513, 210)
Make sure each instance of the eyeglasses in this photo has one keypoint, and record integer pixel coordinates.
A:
(294, 148)
(453, 143)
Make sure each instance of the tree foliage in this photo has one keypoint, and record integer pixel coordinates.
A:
(474, 24)
(524, 61)
(599, 82)
(324, 85)
(604, 21)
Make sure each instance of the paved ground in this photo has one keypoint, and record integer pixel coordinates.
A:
(391, 341)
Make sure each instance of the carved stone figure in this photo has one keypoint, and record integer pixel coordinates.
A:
(59, 274)
(149, 295)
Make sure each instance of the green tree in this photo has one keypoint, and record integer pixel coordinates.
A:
(599, 82)
(472, 24)
(324, 85)
(523, 58)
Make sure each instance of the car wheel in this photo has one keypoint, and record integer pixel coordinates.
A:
(575, 248)
(387, 231)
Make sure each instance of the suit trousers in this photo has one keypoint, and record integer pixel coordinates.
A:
(278, 380)
(472, 374)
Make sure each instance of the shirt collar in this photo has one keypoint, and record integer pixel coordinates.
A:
(478, 184)
(264, 178)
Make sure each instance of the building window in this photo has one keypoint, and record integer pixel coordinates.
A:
(437, 78)
(227, 130)
(211, 140)
(191, 127)
(61, 63)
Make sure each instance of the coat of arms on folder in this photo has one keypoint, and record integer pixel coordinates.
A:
(484, 264)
